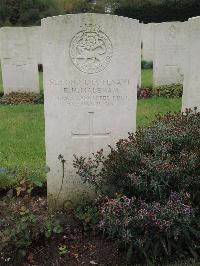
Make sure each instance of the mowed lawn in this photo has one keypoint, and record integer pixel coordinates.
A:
(147, 78)
(22, 130)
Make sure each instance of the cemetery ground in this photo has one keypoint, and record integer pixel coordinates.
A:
(22, 126)
(23, 207)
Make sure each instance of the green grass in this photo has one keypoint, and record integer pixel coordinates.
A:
(148, 108)
(22, 129)
(22, 135)
(147, 78)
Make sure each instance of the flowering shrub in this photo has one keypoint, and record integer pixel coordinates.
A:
(156, 160)
(155, 174)
(147, 216)
(144, 93)
(152, 230)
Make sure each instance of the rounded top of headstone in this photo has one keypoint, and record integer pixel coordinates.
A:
(85, 15)
(193, 18)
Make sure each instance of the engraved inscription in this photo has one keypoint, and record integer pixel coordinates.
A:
(172, 32)
(93, 92)
(91, 50)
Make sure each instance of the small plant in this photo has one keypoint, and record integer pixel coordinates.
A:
(63, 250)
(22, 179)
(21, 226)
(50, 227)
(88, 215)
(169, 91)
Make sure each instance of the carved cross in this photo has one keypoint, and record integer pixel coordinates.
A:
(91, 135)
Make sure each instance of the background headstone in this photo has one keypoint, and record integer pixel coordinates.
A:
(18, 63)
(191, 85)
(91, 64)
(0, 45)
(36, 42)
(169, 53)
(147, 41)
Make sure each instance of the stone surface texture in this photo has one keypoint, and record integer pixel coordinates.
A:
(18, 63)
(147, 41)
(169, 53)
(36, 43)
(91, 64)
(191, 85)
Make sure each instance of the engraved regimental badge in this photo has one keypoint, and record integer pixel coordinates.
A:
(172, 32)
(91, 50)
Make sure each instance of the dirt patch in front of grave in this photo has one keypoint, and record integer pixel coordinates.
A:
(81, 248)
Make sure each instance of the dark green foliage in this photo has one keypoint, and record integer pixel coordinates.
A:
(159, 10)
(146, 64)
(150, 187)
(30, 12)
(169, 91)
(39, 100)
(88, 215)
(78, 6)
(26, 12)
(159, 159)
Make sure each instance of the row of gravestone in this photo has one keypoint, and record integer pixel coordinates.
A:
(173, 47)
(22, 51)
(91, 64)
(166, 44)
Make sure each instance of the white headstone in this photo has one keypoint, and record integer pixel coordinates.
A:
(191, 85)
(147, 41)
(169, 53)
(91, 64)
(19, 65)
(36, 42)
(0, 46)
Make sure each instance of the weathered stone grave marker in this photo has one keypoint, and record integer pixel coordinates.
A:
(35, 37)
(19, 66)
(191, 85)
(169, 53)
(90, 80)
(148, 41)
